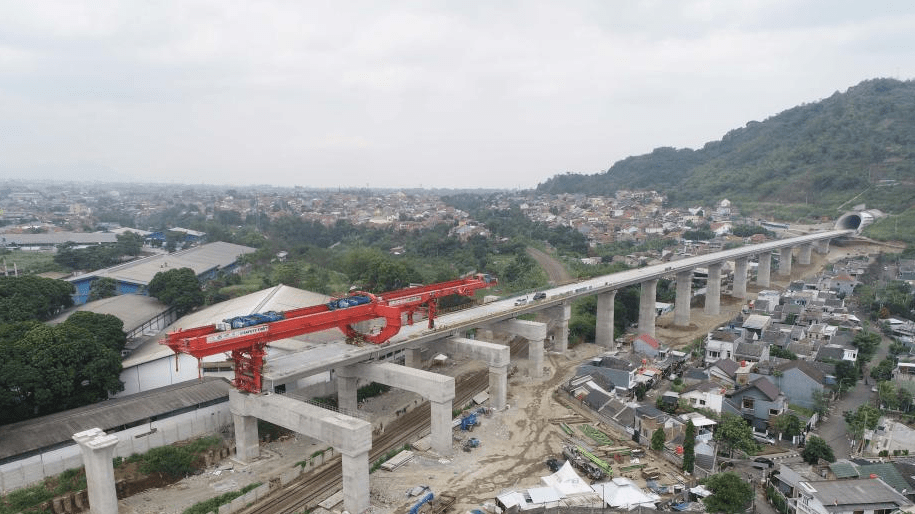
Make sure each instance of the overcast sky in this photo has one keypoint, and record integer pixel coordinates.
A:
(405, 94)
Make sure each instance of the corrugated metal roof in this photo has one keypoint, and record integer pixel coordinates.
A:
(46, 431)
(200, 259)
(844, 469)
(133, 310)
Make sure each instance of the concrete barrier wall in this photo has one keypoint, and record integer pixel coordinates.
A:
(140, 439)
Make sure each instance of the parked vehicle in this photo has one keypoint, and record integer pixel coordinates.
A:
(764, 460)
(539, 296)
(763, 438)
(521, 301)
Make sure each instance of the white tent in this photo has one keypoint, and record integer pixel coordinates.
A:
(623, 493)
(566, 481)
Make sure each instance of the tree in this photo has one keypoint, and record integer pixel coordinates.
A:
(735, 434)
(657, 439)
(820, 402)
(55, 368)
(689, 447)
(884, 370)
(178, 288)
(846, 375)
(30, 297)
(788, 425)
(817, 448)
(866, 342)
(105, 328)
(864, 418)
(104, 287)
(730, 494)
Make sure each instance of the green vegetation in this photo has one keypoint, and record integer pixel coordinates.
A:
(803, 163)
(28, 499)
(213, 504)
(735, 434)
(689, 447)
(70, 257)
(730, 493)
(176, 461)
(28, 297)
(657, 439)
(815, 449)
(46, 369)
(178, 288)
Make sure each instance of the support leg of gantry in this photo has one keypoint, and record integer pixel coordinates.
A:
(683, 299)
(98, 449)
(647, 307)
(764, 271)
(603, 331)
(713, 290)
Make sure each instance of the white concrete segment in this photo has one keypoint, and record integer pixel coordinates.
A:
(98, 450)
(564, 314)
(803, 257)
(603, 332)
(496, 355)
(435, 387)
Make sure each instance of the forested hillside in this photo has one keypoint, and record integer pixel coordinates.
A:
(818, 156)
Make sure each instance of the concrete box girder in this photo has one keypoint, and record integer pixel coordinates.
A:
(435, 387)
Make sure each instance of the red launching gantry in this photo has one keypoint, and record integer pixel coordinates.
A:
(247, 336)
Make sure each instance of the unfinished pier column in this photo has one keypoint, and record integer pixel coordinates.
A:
(98, 449)
(740, 278)
(803, 257)
(247, 446)
(784, 261)
(535, 333)
(764, 271)
(412, 358)
(684, 297)
(713, 290)
(647, 312)
(603, 331)
(823, 246)
(347, 387)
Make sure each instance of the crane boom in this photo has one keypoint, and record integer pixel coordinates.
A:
(247, 336)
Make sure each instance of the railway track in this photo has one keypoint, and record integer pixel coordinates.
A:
(313, 488)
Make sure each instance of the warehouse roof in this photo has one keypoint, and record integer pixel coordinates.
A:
(56, 238)
(133, 310)
(200, 259)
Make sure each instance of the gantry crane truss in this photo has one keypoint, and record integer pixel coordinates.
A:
(247, 344)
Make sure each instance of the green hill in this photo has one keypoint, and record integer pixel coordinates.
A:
(815, 159)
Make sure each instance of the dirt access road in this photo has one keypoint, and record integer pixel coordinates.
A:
(554, 269)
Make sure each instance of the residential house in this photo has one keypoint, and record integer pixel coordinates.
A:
(751, 352)
(724, 371)
(720, 344)
(646, 345)
(853, 496)
(754, 326)
(619, 371)
(704, 395)
(757, 402)
(648, 419)
(843, 284)
(799, 381)
(837, 352)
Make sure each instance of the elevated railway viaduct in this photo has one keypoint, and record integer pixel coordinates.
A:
(351, 435)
